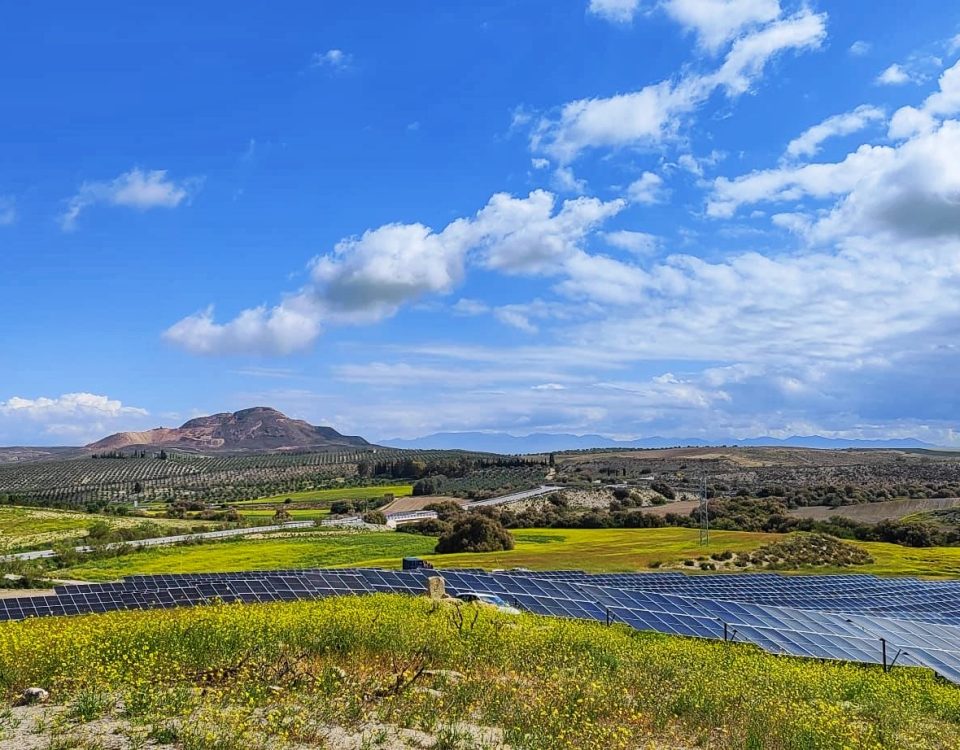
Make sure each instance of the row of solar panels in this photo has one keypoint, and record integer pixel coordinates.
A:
(932, 601)
(824, 629)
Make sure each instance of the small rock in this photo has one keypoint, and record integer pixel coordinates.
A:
(275, 689)
(34, 695)
(338, 673)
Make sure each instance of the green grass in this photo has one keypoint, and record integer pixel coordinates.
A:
(596, 550)
(296, 514)
(892, 559)
(341, 493)
(590, 549)
(245, 677)
(298, 550)
(28, 528)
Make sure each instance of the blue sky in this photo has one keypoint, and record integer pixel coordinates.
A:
(697, 218)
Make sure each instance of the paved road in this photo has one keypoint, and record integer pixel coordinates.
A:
(165, 540)
(516, 497)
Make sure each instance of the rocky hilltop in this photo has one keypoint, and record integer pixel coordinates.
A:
(258, 429)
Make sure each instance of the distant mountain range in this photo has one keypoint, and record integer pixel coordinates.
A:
(250, 430)
(545, 442)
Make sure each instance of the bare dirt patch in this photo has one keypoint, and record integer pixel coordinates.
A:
(680, 507)
(408, 504)
(876, 512)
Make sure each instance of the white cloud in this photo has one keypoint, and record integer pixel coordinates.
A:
(332, 59)
(72, 417)
(953, 45)
(912, 193)
(526, 235)
(566, 181)
(515, 319)
(8, 211)
(370, 277)
(277, 330)
(653, 114)
(617, 11)
(539, 163)
(718, 21)
(860, 48)
(792, 183)
(808, 143)
(137, 189)
(895, 75)
(909, 121)
(647, 189)
(465, 306)
(638, 243)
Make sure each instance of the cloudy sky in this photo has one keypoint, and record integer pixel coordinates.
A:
(697, 218)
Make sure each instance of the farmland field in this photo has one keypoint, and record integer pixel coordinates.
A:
(590, 549)
(595, 550)
(874, 512)
(359, 671)
(296, 514)
(28, 528)
(337, 493)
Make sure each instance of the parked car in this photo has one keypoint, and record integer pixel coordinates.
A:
(489, 599)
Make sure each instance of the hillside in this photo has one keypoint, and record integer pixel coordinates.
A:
(250, 430)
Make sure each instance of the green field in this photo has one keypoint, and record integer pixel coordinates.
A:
(29, 528)
(340, 493)
(296, 514)
(596, 550)
(589, 549)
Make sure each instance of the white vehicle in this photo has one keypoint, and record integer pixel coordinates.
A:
(492, 599)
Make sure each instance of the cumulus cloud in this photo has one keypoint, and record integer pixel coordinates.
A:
(793, 182)
(715, 22)
(71, 416)
(288, 327)
(908, 121)
(368, 278)
(894, 75)
(138, 189)
(808, 143)
(653, 114)
(648, 188)
(528, 236)
(617, 11)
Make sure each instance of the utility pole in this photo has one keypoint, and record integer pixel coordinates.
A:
(704, 512)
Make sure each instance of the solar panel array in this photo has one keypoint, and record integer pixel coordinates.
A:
(859, 618)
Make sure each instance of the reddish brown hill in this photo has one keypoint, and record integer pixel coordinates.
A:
(257, 429)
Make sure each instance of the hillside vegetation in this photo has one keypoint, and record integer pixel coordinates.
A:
(353, 672)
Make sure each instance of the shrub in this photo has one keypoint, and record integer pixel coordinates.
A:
(446, 510)
(428, 527)
(429, 485)
(475, 533)
(376, 517)
(664, 489)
